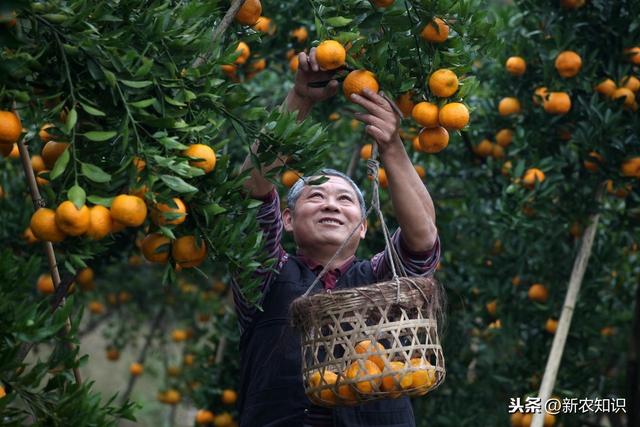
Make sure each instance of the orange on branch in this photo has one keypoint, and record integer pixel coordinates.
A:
(383, 3)
(531, 176)
(202, 156)
(100, 222)
(136, 369)
(128, 210)
(568, 63)
(504, 137)
(249, 12)
(178, 214)
(300, 34)
(229, 397)
(405, 103)
(264, 25)
(632, 83)
(44, 227)
(51, 151)
(330, 55)
(44, 135)
(426, 114)
(45, 284)
(85, 279)
(538, 293)
(187, 253)
(509, 106)
(96, 307)
(443, 83)
(557, 103)
(551, 326)
(293, 64)
(606, 87)
(454, 116)
(71, 220)
(151, 248)
(290, 177)
(204, 417)
(365, 151)
(626, 94)
(37, 164)
(436, 31)
(433, 140)
(516, 65)
(359, 80)
(10, 128)
(244, 51)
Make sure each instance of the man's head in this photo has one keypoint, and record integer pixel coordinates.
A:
(323, 215)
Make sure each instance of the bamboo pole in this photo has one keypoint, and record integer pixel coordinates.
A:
(38, 202)
(560, 337)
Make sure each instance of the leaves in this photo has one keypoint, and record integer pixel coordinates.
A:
(77, 195)
(60, 165)
(99, 136)
(94, 173)
(178, 184)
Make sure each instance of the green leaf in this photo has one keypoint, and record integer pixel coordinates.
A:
(174, 102)
(99, 136)
(94, 173)
(338, 21)
(144, 103)
(77, 195)
(178, 184)
(72, 119)
(215, 209)
(61, 164)
(137, 84)
(91, 110)
(104, 201)
(111, 78)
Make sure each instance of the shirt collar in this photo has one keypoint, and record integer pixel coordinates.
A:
(317, 267)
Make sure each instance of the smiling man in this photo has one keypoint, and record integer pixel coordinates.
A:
(321, 216)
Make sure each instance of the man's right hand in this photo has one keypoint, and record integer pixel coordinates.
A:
(308, 72)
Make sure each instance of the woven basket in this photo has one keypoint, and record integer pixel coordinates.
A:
(373, 342)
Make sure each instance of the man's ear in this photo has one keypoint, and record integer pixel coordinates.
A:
(287, 219)
(363, 228)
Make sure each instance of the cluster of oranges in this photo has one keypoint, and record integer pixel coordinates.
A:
(10, 131)
(206, 417)
(522, 419)
(486, 148)
(371, 375)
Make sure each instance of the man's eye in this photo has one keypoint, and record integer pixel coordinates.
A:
(315, 195)
(346, 198)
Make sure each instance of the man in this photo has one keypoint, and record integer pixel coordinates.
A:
(320, 218)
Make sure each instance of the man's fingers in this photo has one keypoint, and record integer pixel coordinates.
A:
(369, 105)
(376, 133)
(312, 60)
(370, 119)
(332, 88)
(303, 61)
(377, 99)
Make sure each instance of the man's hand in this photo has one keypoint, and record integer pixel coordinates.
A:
(382, 121)
(309, 72)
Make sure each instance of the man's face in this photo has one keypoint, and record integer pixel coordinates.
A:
(326, 214)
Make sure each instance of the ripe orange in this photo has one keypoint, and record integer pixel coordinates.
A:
(358, 80)
(44, 227)
(229, 397)
(187, 253)
(43, 134)
(293, 64)
(568, 63)
(606, 87)
(139, 163)
(326, 396)
(176, 216)
(300, 34)
(538, 293)
(362, 368)
(223, 420)
(405, 103)
(631, 167)
(557, 103)
(392, 381)
(229, 70)
(539, 95)
(71, 220)
(179, 335)
(334, 116)
(204, 417)
(592, 164)
(484, 148)
(492, 308)
(330, 55)
(497, 151)
(367, 347)
(244, 51)
(264, 25)
(365, 151)
(433, 140)
(607, 331)
(443, 83)
(382, 178)
(383, 3)
(40, 178)
(454, 116)
(290, 177)
(516, 419)
(45, 284)
(136, 369)
(504, 137)
(85, 279)
(551, 326)
(249, 12)
(531, 176)
(172, 397)
(620, 192)
(96, 307)
(426, 114)
(633, 54)
(206, 157)
(130, 211)
(10, 127)
(435, 31)
(258, 65)
(112, 353)
(632, 83)
(51, 151)
(37, 164)
(516, 65)
(150, 246)
(509, 106)
(100, 222)
(415, 144)
(420, 171)
(425, 375)
(623, 92)
(28, 236)
(15, 152)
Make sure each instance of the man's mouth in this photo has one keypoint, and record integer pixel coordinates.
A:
(327, 220)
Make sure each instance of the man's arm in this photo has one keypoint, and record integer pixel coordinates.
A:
(411, 201)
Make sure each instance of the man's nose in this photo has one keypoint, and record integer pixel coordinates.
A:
(330, 203)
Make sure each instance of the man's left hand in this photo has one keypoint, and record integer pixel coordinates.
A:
(381, 121)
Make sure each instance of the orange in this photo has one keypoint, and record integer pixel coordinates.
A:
(557, 103)
(516, 65)
(249, 12)
(334, 117)
(45, 284)
(592, 164)
(551, 326)
(509, 106)
(358, 80)
(100, 222)
(179, 335)
(10, 127)
(623, 92)
(484, 148)
(139, 163)
(71, 220)
(229, 397)
(204, 417)
(631, 167)
(113, 353)
(538, 293)
(365, 151)
(570, 4)
(229, 70)
(43, 134)
(568, 63)
(293, 64)
(420, 171)
(607, 331)
(425, 375)
(173, 371)
(618, 192)
(367, 347)
(223, 420)
(435, 31)
(347, 395)
(96, 307)
(575, 230)
(37, 164)
(383, 3)
(187, 253)
(506, 168)
(330, 55)
(28, 236)
(300, 34)
(202, 156)
(504, 137)
(633, 54)
(264, 25)
(405, 103)
(362, 368)
(130, 211)
(172, 397)
(540, 94)
(290, 177)
(497, 151)
(188, 359)
(176, 216)
(606, 87)
(85, 278)
(393, 381)
(51, 151)
(326, 395)
(516, 419)
(44, 227)
(415, 144)
(454, 116)
(136, 369)
(433, 140)
(15, 152)
(531, 176)
(426, 114)
(632, 83)
(244, 51)
(526, 420)
(258, 65)
(151, 245)
(443, 83)
(492, 307)
(382, 178)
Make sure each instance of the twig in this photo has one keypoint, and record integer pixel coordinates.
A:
(221, 28)
(353, 163)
